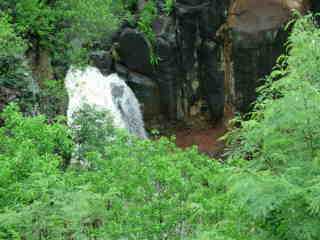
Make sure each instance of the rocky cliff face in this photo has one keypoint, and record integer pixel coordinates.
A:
(212, 54)
(255, 40)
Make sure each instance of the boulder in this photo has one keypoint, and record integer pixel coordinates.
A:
(134, 51)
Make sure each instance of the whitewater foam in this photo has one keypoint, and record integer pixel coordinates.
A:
(89, 87)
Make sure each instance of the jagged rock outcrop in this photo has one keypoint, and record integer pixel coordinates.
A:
(200, 54)
(168, 72)
(212, 54)
(189, 71)
(256, 39)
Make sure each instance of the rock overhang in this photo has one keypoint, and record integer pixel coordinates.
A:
(251, 17)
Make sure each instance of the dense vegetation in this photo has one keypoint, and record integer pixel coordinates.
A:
(133, 189)
(41, 39)
(268, 188)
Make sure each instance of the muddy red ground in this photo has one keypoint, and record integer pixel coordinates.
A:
(200, 132)
(207, 139)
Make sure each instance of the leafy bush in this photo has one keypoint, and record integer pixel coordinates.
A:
(53, 98)
(145, 25)
(154, 190)
(11, 44)
(169, 5)
(15, 75)
(92, 130)
(277, 191)
(132, 189)
(86, 23)
(29, 149)
(55, 33)
(70, 27)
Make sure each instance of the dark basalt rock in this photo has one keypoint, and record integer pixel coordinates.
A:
(149, 99)
(212, 79)
(134, 50)
(191, 3)
(315, 7)
(211, 52)
(145, 89)
(251, 65)
(257, 38)
(189, 68)
(103, 61)
(167, 75)
(199, 50)
(168, 70)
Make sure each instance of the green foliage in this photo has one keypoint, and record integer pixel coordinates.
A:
(11, 44)
(146, 19)
(154, 190)
(130, 4)
(14, 72)
(92, 130)
(88, 22)
(132, 189)
(65, 29)
(35, 19)
(29, 150)
(169, 6)
(70, 26)
(53, 98)
(11, 52)
(145, 25)
(277, 190)
(140, 189)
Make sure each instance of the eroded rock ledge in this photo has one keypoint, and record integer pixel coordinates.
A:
(212, 55)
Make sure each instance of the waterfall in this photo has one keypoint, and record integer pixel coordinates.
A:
(89, 87)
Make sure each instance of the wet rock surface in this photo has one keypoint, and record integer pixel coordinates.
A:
(134, 51)
(315, 7)
(212, 54)
(257, 38)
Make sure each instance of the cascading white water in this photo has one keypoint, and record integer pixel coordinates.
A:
(111, 93)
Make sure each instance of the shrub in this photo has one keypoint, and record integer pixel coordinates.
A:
(145, 25)
(53, 99)
(15, 77)
(169, 6)
(68, 29)
(132, 189)
(29, 150)
(65, 30)
(277, 189)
